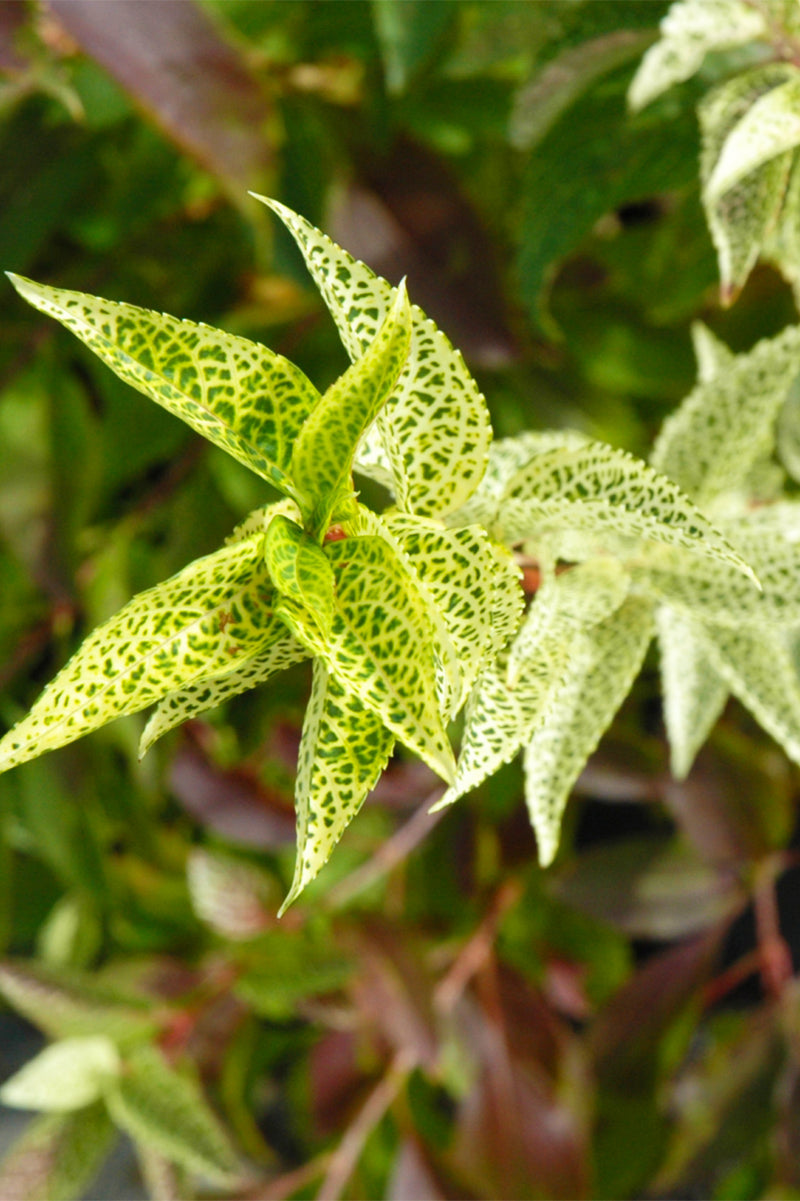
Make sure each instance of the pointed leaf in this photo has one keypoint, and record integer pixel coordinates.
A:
(343, 751)
(67, 1075)
(769, 128)
(236, 393)
(67, 1004)
(380, 646)
(727, 424)
(694, 694)
(229, 894)
(713, 356)
(602, 665)
(322, 459)
(196, 699)
(596, 488)
(204, 620)
(689, 31)
(432, 437)
(58, 1156)
(158, 1106)
(300, 571)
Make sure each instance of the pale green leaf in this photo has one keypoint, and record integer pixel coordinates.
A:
(597, 488)
(257, 522)
(322, 460)
(743, 217)
(58, 1156)
(66, 1075)
(68, 1004)
(433, 436)
(300, 571)
(694, 694)
(689, 31)
(380, 646)
(196, 699)
(726, 425)
(769, 128)
(788, 433)
(159, 1106)
(602, 664)
(343, 751)
(760, 670)
(713, 356)
(228, 894)
(236, 393)
(207, 619)
(163, 1180)
(782, 244)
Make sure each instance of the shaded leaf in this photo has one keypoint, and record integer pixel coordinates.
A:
(230, 895)
(409, 32)
(289, 970)
(694, 695)
(67, 1075)
(66, 1004)
(57, 1157)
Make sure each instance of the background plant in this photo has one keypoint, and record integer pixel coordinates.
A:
(421, 1017)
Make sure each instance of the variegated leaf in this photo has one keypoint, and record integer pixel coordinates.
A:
(694, 694)
(66, 1075)
(727, 424)
(689, 31)
(196, 699)
(343, 751)
(322, 460)
(602, 665)
(433, 436)
(782, 243)
(759, 668)
(380, 644)
(236, 393)
(58, 1156)
(597, 488)
(770, 127)
(300, 571)
(742, 218)
(207, 619)
(713, 356)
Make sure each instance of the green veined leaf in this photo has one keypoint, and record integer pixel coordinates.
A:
(207, 619)
(595, 487)
(760, 670)
(742, 218)
(159, 1106)
(602, 665)
(726, 425)
(196, 699)
(432, 437)
(67, 1075)
(57, 1156)
(343, 751)
(694, 694)
(323, 456)
(236, 393)
(770, 127)
(300, 571)
(380, 646)
(689, 31)
(67, 1004)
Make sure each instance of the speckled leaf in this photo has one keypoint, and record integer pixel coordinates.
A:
(67, 1004)
(602, 665)
(236, 393)
(769, 128)
(155, 1104)
(66, 1075)
(196, 699)
(432, 437)
(743, 217)
(380, 645)
(57, 1156)
(322, 459)
(228, 893)
(782, 244)
(713, 356)
(694, 694)
(208, 618)
(598, 488)
(343, 751)
(759, 668)
(689, 31)
(300, 571)
(726, 425)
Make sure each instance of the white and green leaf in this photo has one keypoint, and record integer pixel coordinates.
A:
(300, 571)
(236, 393)
(713, 356)
(432, 437)
(770, 127)
(602, 663)
(694, 693)
(67, 1075)
(343, 750)
(58, 1156)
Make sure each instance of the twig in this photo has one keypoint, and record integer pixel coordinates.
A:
(476, 953)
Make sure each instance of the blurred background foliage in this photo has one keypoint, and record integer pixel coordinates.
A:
(437, 1017)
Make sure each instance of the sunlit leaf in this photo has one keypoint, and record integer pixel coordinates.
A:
(770, 127)
(433, 435)
(236, 393)
(207, 619)
(58, 1156)
(343, 751)
(694, 694)
(602, 664)
(300, 571)
(689, 31)
(67, 1075)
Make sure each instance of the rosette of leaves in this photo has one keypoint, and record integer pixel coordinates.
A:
(399, 613)
(750, 124)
